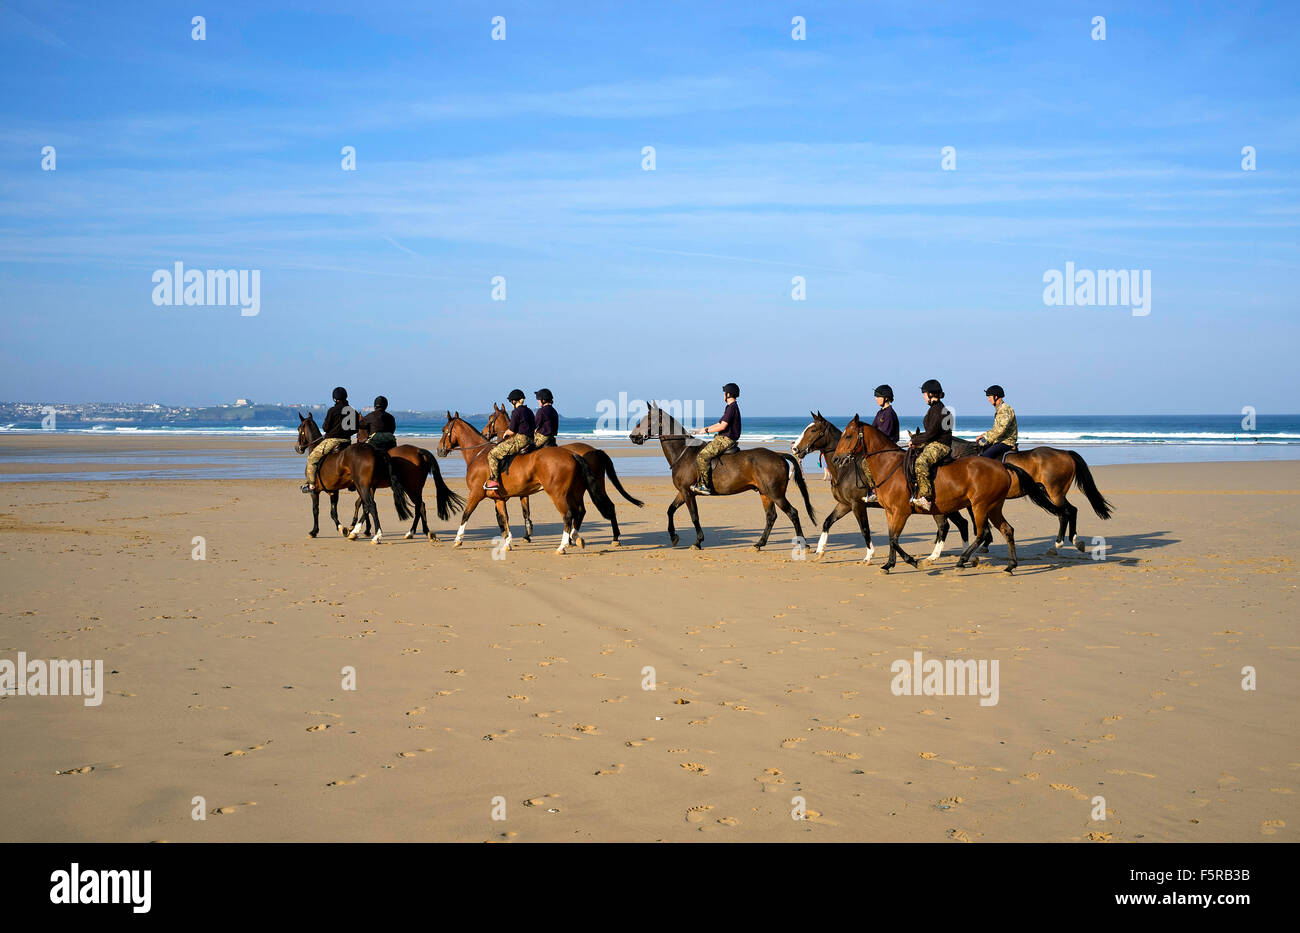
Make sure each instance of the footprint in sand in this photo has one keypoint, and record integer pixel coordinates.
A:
(947, 803)
(1043, 753)
(319, 727)
(493, 736)
(959, 835)
(1095, 836)
(517, 696)
(85, 769)
(770, 780)
(343, 782)
(418, 711)
(728, 820)
(791, 743)
(584, 728)
(226, 811)
(540, 801)
(637, 743)
(697, 813)
(418, 751)
(1269, 827)
(1071, 789)
(927, 755)
(695, 767)
(612, 769)
(851, 756)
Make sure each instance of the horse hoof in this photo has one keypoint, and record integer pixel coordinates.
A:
(673, 538)
(1051, 552)
(885, 569)
(696, 546)
(974, 561)
(615, 543)
(311, 534)
(579, 542)
(559, 550)
(984, 549)
(1009, 568)
(457, 544)
(409, 535)
(1079, 543)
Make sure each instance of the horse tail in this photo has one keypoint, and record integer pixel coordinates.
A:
(1036, 492)
(607, 462)
(449, 502)
(803, 487)
(598, 497)
(400, 500)
(1083, 477)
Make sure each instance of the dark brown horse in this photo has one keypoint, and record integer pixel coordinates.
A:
(849, 486)
(356, 466)
(975, 483)
(564, 476)
(1057, 470)
(756, 468)
(601, 463)
(411, 467)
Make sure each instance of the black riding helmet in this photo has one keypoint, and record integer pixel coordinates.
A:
(381, 403)
(340, 394)
(516, 395)
(884, 392)
(995, 391)
(732, 389)
(544, 395)
(932, 386)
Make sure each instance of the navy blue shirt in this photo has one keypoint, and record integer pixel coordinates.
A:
(887, 423)
(732, 416)
(522, 421)
(548, 422)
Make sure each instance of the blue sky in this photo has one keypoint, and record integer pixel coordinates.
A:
(774, 158)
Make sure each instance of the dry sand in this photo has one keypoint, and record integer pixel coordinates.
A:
(522, 678)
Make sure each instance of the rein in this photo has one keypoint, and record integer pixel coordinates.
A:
(864, 454)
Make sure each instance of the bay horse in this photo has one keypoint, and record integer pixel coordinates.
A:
(1057, 470)
(756, 468)
(356, 466)
(848, 485)
(600, 461)
(564, 476)
(411, 467)
(975, 483)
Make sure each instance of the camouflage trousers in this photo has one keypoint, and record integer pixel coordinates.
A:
(931, 454)
(710, 450)
(515, 444)
(543, 440)
(319, 452)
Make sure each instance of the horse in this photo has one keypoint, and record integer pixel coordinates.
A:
(563, 475)
(1057, 470)
(963, 484)
(757, 468)
(601, 463)
(411, 466)
(849, 487)
(356, 466)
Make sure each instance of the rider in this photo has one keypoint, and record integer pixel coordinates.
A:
(935, 440)
(340, 424)
(517, 439)
(728, 433)
(548, 422)
(886, 421)
(379, 425)
(1004, 435)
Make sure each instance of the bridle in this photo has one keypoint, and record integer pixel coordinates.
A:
(866, 455)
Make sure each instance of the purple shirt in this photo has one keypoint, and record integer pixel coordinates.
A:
(887, 423)
(548, 422)
(521, 420)
(732, 416)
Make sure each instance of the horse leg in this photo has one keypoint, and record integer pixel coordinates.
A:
(693, 507)
(769, 511)
(356, 511)
(528, 518)
(475, 497)
(940, 536)
(996, 517)
(835, 515)
(963, 528)
(860, 513)
(791, 513)
(979, 517)
(579, 513)
(1074, 523)
(315, 514)
(503, 523)
(334, 513)
(672, 507)
(897, 519)
(566, 509)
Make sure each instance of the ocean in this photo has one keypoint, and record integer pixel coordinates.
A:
(1102, 439)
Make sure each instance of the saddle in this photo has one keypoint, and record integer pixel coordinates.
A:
(733, 449)
(909, 468)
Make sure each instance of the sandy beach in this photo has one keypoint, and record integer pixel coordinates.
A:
(517, 686)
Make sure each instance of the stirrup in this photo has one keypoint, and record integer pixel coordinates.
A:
(492, 484)
(305, 487)
(700, 489)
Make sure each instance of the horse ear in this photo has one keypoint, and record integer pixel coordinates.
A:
(819, 415)
(448, 416)
(457, 412)
(301, 419)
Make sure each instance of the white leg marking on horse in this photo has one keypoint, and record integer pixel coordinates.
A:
(870, 550)
(821, 543)
(460, 532)
(938, 549)
(409, 534)
(379, 536)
